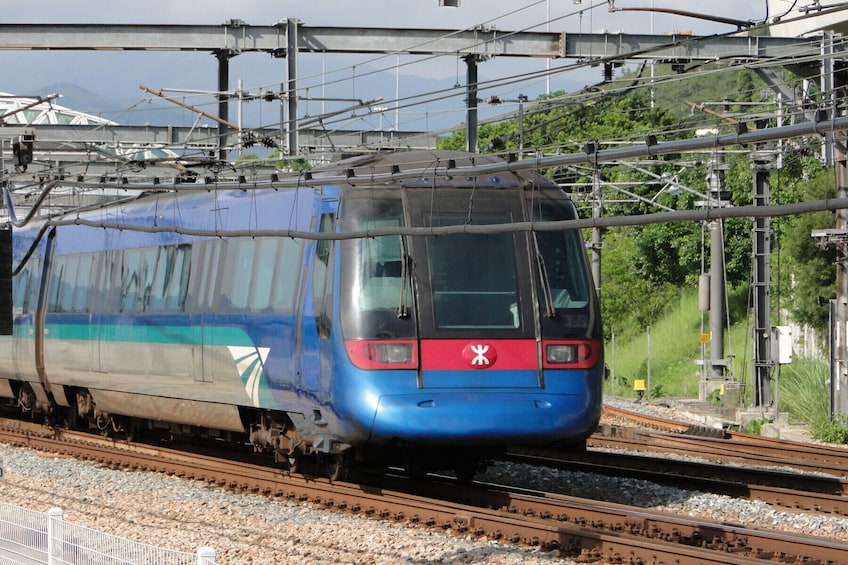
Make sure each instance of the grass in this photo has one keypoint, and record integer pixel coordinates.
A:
(671, 350)
(804, 395)
(673, 345)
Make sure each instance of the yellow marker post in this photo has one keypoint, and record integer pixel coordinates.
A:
(640, 388)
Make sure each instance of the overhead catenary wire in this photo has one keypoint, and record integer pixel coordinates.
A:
(415, 101)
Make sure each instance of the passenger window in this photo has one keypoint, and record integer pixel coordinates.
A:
(286, 275)
(207, 273)
(54, 291)
(85, 274)
(170, 280)
(263, 276)
(21, 289)
(321, 275)
(235, 293)
(130, 279)
(177, 283)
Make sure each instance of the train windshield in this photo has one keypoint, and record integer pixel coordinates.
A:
(376, 280)
(473, 278)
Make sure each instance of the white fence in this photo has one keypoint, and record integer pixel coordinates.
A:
(29, 538)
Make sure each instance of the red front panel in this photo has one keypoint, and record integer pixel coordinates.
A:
(482, 354)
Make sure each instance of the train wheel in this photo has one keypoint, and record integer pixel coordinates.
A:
(335, 467)
(465, 471)
(293, 462)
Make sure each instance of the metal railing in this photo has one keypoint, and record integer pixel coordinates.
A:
(28, 537)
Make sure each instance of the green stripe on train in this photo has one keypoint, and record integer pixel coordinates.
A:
(217, 336)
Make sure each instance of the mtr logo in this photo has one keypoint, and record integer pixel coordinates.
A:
(479, 355)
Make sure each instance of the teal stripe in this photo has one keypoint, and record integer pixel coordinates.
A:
(215, 336)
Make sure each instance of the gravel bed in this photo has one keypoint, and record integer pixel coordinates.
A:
(250, 529)
(184, 515)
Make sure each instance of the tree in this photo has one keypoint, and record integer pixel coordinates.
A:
(810, 270)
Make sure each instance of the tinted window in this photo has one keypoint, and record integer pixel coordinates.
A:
(260, 274)
(473, 279)
(170, 281)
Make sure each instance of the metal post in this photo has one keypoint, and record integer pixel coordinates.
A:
(839, 318)
(716, 181)
(55, 536)
(521, 100)
(761, 162)
(471, 103)
(827, 85)
(223, 101)
(291, 90)
(717, 298)
(648, 375)
(206, 556)
(597, 233)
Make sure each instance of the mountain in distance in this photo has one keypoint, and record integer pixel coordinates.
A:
(144, 110)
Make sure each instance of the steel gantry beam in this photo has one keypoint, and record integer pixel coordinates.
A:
(288, 37)
(235, 37)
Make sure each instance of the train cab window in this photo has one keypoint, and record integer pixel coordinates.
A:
(382, 284)
(566, 278)
(286, 275)
(485, 296)
(572, 311)
(240, 258)
(377, 290)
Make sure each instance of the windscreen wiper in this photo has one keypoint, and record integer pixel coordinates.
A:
(549, 312)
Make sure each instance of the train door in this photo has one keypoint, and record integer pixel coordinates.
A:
(27, 288)
(475, 292)
(40, 315)
(316, 311)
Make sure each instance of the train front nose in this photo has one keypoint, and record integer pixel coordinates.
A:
(482, 418)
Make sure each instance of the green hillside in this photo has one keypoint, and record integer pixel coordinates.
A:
(674, 345)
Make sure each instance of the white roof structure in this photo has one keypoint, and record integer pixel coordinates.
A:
(28, 111)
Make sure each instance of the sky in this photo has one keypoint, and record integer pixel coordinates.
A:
(118, 75)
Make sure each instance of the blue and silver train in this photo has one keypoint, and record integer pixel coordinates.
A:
(175, 311)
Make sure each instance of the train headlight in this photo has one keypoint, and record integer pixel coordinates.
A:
(383, 354)
(391, 353)
(572, 354)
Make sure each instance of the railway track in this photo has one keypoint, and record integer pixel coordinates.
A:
(588, 530)
(728, 447)
(792, 475)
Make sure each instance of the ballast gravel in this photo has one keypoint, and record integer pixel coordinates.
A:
(184, 515)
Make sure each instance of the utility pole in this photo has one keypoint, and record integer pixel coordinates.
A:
(291, 82)
(839, 308)
(834, 82)
(471, 101)
(761, 163)
(716, 182)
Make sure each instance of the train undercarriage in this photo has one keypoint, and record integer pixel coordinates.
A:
(271, 434)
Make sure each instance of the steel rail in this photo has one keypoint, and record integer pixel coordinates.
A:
(594, 530)
(815, 457)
